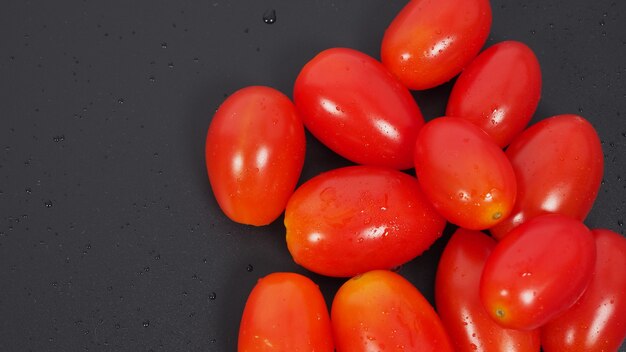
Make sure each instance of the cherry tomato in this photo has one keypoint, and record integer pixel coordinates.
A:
(352, 104)
(254, 147)
(458, 303)
(285, 312)
(498, 91)
(464, 173)
(538, 271)
(597, 322)
(558, 164)
(382, 311)
(431, 41)
(358, 218)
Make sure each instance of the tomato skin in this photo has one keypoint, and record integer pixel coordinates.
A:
(558, 164)
(430, 41)
(498, 91)
(285, 312)
(538, 271)
(597, 322)
(255, 146)
(354, 219)
(380, 310)
(464, 173)
(354, 106)
(457, 300)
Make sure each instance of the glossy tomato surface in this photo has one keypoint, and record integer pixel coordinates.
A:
(285, 312)
(352, 104)
(382, 311)
(597, 322)
(498, 91)
(254, 147)
(558, 164)
(464, 173)
(538, 271)
(431, 41)
(458, 302)
(355, 219)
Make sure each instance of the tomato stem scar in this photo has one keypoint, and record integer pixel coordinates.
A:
(497, 215)
(500, 313)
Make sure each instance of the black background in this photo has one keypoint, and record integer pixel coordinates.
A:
(110, 238)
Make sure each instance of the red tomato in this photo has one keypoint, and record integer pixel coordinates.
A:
(458, 303)
(354, 219)
(285, 312)
(430, 41)
(597, 322)
(538, 271)
(464, 173)
(254, 147)
(558, 164)
(353, 105)
(382, 311)
(499, 91)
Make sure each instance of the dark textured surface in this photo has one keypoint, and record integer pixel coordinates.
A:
(110, 238)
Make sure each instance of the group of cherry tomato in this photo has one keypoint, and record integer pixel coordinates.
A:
(541, 280)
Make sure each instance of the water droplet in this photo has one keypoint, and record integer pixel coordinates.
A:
(269, 16)
(146, 323)
(212, 296)
(146, 269)
(157, 257)
(120, 101)
(602, 23)
(164, 45)
(620, 223)
(533, 32)
(28, 190)
(152, 79)
(48, 204)
(249, 268)
(170, 64)
(59, 138)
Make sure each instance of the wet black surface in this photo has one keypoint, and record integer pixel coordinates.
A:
(110, 238)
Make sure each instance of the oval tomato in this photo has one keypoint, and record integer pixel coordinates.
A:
(538, 271)
(558, 164)
(382, 311)
(430, 41)
(464, 173)
(254, 147)
(597, 322)
(354, 219)
(456, 296)
(353, 105)
(285, 312)
(498, 91)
